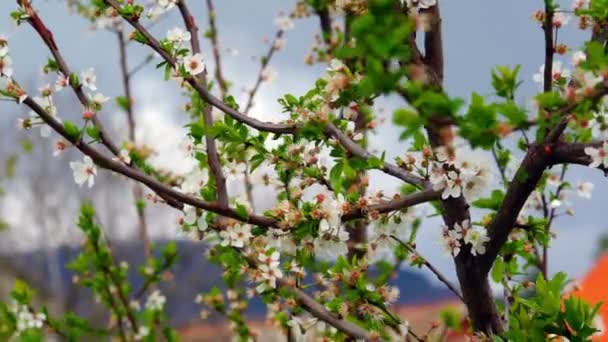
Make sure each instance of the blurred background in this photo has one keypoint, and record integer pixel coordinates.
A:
(39, 199)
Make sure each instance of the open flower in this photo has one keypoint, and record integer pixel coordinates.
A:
(178, 36)
(156, 301)
(477, 238)
(599, 156)
(88, 79)
(558, 73)
(194, 64)
(85, 171)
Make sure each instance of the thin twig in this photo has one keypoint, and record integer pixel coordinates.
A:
(430, 266)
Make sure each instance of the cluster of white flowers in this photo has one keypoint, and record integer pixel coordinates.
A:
(337, 79)
(452, 239)
(27, 319)
(268, 270)
(458, 176)
(160, 7)
(6, 63)
(156, 301)
(237, 235)
(332, 239)
(178, 36)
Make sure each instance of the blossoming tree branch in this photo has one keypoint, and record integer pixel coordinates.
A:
(317, 257)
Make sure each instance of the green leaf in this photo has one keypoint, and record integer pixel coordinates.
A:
(71, 129)
(123, 102)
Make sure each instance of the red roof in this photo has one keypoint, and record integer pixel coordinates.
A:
(593, 288)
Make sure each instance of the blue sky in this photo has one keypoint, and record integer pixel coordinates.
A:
(479, 34)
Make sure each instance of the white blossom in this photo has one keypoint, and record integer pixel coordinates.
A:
(599, 156)
(477, 237)
(194, 64)
(450, 239)
(560, 19)
(84, 172)
(558, 73)
(88, 79)
(178, 36)
(578, 57)
(584, 189)
(156, 301)
(236, 236)
(194, 181)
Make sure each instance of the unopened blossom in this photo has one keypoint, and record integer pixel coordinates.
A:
(194, 64)
(156, 301)
(558, 73)
(84, 172)
(178, 36)
(584, 189)
(477, 237)
(236, 236)
(284, 23)
(88, 79)
(6, 64)
(599, 156)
